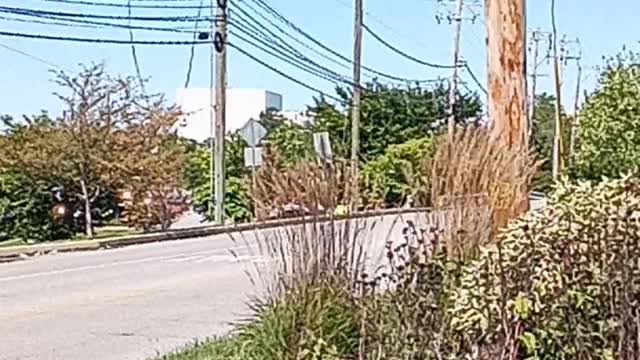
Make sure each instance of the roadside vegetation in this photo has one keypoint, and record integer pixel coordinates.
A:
(496, 283)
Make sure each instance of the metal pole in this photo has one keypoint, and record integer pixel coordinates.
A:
(534, 80)
(355, 108)
(220, 39)
(557, 134)
(453, 86)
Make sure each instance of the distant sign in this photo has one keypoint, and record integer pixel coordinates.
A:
(253, 132)
(322, 145)
(253, 156)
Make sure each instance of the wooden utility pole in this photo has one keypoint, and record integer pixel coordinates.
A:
(507, 70)
(219, 41)
(355, 105)
(557, 164)
(534, 81)
(507, 90)
(575, 126)
(453, 86)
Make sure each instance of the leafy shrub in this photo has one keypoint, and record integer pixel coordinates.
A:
(405, 306)
(563, 284)
(27, 211)
(238, 206)
(313, 320)
(609, 140)
(399, 175)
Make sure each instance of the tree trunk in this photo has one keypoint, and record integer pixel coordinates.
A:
(87, 210)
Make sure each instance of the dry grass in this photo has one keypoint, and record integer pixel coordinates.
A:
(314, 185)
(318, 248)
(306, 309)
(480, 184)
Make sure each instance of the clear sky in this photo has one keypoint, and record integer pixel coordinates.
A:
(602, 26)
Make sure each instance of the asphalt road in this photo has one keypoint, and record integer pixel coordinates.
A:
(133, 302)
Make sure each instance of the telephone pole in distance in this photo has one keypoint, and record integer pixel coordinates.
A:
(355, 105)
(219, 41)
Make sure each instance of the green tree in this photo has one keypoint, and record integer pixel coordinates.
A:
(542, 138)
(290, 141)
(390, 115)
(106, 135)
(395, 176)
(197, 179)
(28, 210)
(609, 140)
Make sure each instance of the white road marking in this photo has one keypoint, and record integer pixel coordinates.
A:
(111, 264)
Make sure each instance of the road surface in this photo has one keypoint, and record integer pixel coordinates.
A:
(130, 303)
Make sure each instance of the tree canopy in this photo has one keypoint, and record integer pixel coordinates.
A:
(111, 136)
(390, 115)
(609, 137)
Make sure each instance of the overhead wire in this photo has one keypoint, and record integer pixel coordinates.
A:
(425, 63)
(253, 35)
(31, 56)
(262, 4)
(404, 54)
(293, 53)
(299, 61)
(99, 41)
(281, 73)
(38, 12)
(193, 47)
(117, 5)
(74, 22)
(134, 54)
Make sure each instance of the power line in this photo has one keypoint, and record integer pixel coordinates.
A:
(57, 23)
(37, 13)
(134, 54)
(99, 41)
(400, 52)
(31, 56)
(116, 5)
(475, 78)
(298, 63)
(193, 47)
(281, 73)
(275, 13)
(61, 21)
(295, 56)
(422, 62)
(288, 34)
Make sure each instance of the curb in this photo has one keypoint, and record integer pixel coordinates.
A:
(22, 252)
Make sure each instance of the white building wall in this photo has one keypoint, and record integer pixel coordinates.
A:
(242, 105)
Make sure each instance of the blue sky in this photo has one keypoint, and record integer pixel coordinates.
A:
(409, 24)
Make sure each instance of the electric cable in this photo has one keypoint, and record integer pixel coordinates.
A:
(99, 41)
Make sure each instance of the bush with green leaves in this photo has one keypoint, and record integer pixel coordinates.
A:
(609, 141)
(238, 205)
(27, 211)
(396, 176)
(405, 306)
(312, 320)
(562, 284)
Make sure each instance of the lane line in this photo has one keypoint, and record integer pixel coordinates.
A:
(106, 265)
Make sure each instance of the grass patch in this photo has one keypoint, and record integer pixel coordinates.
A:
(214, 349)
(108, 233)
(14, 242)
(101, 233)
